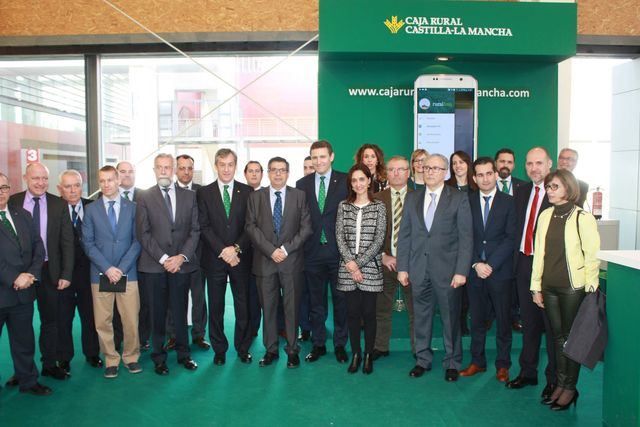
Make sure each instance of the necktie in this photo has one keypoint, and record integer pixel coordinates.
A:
(36, 213)
(528, 237)
(322, 198)
(74, 215)
(226, 199)
(277, 213)
(505, 187)
(167, 201)
(485, 214)
(126, 194)
(397, 216)
(112, 216)
(431, 210)
(7, 224)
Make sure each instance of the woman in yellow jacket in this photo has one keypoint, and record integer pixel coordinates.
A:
(564, 268)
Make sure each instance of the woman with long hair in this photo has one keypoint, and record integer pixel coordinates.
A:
(461, 172)
(372, 157)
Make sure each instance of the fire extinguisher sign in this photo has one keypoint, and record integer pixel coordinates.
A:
(32, 155)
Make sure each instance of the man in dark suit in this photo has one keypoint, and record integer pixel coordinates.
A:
(324, 190)
(222, 211)
(494, 236)
(530, 200)
(51, 218)
(79, 293)
(168, 230)
(434, 255)
(278, 224)
(568, 160)
(393, 198)
(21, 261)
(253, 175)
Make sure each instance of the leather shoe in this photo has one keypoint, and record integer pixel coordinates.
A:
(315, 353)
(516, 326)
(170, 345)
(201, 343)
(451, 375)
(65, 366)
(189, 364)
(471, 370)
(12, 382)
(377, 354)
(520, 382)
(502, 375)
(355, 363)
(367, 365)
(341, 354)
(219, 359)
(55, 373)
(161, 369)
(38, 390)
(245, 357)
(304, 335)
(417, 371)
(267, 359)
(547, 391)
(293, 361)
(94, 361)
(145, 346)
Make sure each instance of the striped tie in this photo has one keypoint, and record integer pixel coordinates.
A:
(397, 216)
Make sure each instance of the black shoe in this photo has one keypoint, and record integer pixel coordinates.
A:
(219, 359)
(145, 346)
(315, 354)
(55, 373)
(189, 364)
(367, 365)
(161, 369)
(417, 371)
(94, 361)
(377, 354)
(12, 382)
(65, 366)
(201, 343)
(245, 357)
(170, 345)
(355, 363)
(304, 335)
(38, 390)
(341, 354)
(267, 359)
(574, 401)
(293, 361)
(547, 391)
(451, 375)
(520, 382)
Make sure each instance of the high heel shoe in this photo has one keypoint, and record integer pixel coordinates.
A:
(367, 366)
(553, 397)
(355, 363)
(574, 400)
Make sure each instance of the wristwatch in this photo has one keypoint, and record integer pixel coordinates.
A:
(237, 247)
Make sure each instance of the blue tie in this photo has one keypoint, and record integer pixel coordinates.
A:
(277, 213)
(485, 214)
(112, 216)
(431, 210)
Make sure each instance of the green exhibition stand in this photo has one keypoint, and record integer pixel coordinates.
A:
(621, 394)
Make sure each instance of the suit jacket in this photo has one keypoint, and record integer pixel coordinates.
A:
(59, 236)
(326, 219)
(106, 249)
(498, 238)
(385, 197)
(23, 256)
(584, 190)
(217, 231)
(445, 249)
(159, 236)
(80, 257)
(522, 200)
(295, 230)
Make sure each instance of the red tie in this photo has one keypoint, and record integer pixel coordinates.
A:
(528, 237)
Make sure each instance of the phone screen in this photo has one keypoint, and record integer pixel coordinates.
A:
(445, 120)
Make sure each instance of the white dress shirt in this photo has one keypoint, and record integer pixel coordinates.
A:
(541, 195)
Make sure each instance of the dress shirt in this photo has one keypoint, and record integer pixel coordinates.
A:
(130, 190)
(79, 211)
(172, 196)
(403, 194)
(326, 182)
(427, 198)
(116, 206)
(482, 202)
(509, 184)
(541, 195)
(272, 197)
(8, 214)
(28, 205)
(188, 186)
(221, 187)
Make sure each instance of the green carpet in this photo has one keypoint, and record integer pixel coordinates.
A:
(317, 394)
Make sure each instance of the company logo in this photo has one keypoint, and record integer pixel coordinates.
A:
(394, 25)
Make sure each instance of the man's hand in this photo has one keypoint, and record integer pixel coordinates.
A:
(63, 284)
(234, 261)
(23, 281)
(114, 274)
(228, 254)
(484, 270)
(458, 280)
(173, 264)
(389, 262)
(278, 256)
(403, 278)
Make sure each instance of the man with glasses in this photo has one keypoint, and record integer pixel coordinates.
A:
(278, 224)
(435, 245)
(568, 160)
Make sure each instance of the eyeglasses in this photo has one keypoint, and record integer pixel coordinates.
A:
(5, 189)
(397, 170)
(278, 170)
(433, 169)
(553, 187)
(418, 160)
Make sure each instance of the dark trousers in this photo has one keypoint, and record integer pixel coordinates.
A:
(47, 294)
(384, 310)
(484, 293)
(361, 314)
(170, 292)
(77, 295)
(305, 307)
(216, 291)
(198, 307)
(561, 306)
(319, 272)
(22, 342)
(145, 316)
(270, 289)
(255, 308)
(534, 324)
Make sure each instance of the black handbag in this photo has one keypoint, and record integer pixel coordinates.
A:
(588, 337)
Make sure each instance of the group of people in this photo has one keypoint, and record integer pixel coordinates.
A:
(481, 242)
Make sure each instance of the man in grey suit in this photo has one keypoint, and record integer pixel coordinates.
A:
(168, 230)
(435, 245)
(278, 224)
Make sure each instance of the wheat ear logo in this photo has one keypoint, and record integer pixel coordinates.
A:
(394, 25)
